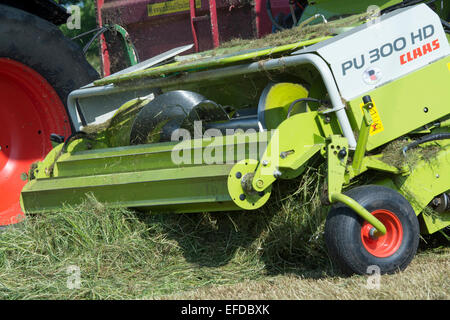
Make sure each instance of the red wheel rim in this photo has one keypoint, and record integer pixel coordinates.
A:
(385, 245)
(30, 110)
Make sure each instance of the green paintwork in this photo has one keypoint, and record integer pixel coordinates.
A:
(428, 178)
(332, 8)
(405, 112)
(372, 162)
(362, 138)
(337, 164)
(129, 47)
(143, 176)
(360, 210)
(207, 63)
(117, 133)
(239, 186)
(157, 188)
(285, 153)
(278, 100)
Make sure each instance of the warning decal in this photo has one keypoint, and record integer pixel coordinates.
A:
(166, 7)
(377, 125)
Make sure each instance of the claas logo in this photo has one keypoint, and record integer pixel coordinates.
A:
(419, 51)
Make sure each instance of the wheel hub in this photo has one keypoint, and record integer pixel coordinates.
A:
(30, 110)
(239, 186)
(382, 246)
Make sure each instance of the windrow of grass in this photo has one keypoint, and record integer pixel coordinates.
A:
(287, 36)
(122, 254)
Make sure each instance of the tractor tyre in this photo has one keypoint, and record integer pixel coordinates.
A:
(39, 67)
(350, 240)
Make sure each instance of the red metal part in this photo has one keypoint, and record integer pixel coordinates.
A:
(214, 22)
(387, 244)
(106, 63)
(213, 19)
(193, 16)
(30, 110)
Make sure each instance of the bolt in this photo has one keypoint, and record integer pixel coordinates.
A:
(265, 163)
(284, 154)
(436, 202)
(366, 99)
(437, 175)
(277, 173)
(425, 109)
(373, 233)
(259, 183)
(342, 153)
(242, 197)
(238, 175)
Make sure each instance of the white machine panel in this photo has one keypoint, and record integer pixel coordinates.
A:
(380, 51)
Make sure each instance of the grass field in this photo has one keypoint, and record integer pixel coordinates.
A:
(277, 252)
(426, 278)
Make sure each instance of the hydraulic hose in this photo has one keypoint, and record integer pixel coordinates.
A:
(427, 138)
(446, 25)
(295, 19)
(300, 100)
(98, 32)
(317, 15)
(269, 13)
(73, 136)
(292, 9)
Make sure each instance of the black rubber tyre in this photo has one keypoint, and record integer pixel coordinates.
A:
(41, 46)
(39, 67)
(347, 247)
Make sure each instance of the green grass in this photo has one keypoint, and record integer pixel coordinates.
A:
(426, 278)
(123, 254)
(94, 59)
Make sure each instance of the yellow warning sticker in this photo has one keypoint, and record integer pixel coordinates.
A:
(377, 124)
(448, 66)
(166, 7)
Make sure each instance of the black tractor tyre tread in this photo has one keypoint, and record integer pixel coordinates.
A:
(41, 46)
(343, 231)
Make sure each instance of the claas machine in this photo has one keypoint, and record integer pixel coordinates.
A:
(212, 131)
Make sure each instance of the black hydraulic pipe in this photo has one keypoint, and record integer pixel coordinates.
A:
(244, 123)
(427, 138)
(269, 13)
